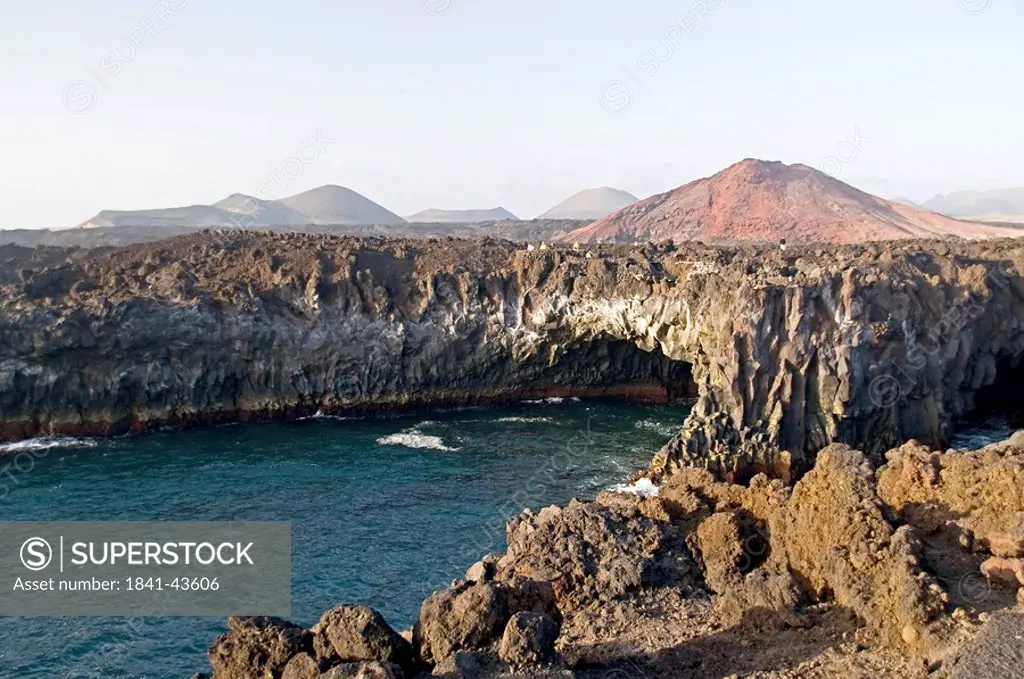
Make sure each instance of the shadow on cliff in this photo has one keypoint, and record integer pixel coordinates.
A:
(1002, 399)
(611, 367)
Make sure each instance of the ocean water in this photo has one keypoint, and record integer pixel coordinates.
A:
(382, 511)
(984, 431)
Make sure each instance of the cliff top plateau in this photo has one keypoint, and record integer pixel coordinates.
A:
(112, 236)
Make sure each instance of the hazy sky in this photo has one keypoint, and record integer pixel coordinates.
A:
(479, 103)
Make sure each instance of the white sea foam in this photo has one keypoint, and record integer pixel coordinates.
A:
(643, 487)
(45, 443)
(527, 420)
(413, 438)
(662, 428)
(548, 401)
(320, 415)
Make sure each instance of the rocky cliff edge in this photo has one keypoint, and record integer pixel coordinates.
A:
(784, 351)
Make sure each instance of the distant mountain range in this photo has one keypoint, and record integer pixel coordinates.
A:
(591, 204)
(341, 206)
(756, 200)
(751, 200)
(1002, 205)
(436, 216)
(263, 211)
(324, 205)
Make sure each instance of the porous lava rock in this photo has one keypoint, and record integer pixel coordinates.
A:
(257, 648)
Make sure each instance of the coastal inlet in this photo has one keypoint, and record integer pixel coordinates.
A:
(383, 511)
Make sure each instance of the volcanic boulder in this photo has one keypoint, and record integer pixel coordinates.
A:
(529, 639)
(257, 648)
(590, 551)
(350, 633)
(465, 617)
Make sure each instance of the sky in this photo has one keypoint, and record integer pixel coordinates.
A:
(130, 104)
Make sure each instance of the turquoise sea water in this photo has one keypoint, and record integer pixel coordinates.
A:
(382, 511)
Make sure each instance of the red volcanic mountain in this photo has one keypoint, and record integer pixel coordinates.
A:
(757, 200)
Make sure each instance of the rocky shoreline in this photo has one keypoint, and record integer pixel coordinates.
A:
(855, 571)
(198, 331)
(785, 352)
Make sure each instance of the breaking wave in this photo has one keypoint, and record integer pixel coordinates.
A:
(45, 443)
(641, 487)
(415, 439)
(664, 428)
(320, 415)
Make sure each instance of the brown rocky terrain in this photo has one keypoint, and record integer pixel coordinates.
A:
(850, 572)
(769, 201)
(115, 236)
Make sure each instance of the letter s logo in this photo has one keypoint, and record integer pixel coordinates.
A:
(36, 554)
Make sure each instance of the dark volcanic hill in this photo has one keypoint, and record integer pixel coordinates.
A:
(756, 200)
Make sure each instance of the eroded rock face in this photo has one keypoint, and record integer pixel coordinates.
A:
(787, 351)
(980, 492)
(462, 665)
(763, 598)
(247, 326)
(530, 596)
(484, 569)
(838, 542)
(301, 666)
(364, 670)
(828, 539)
(720, 541)
(1006, 572)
